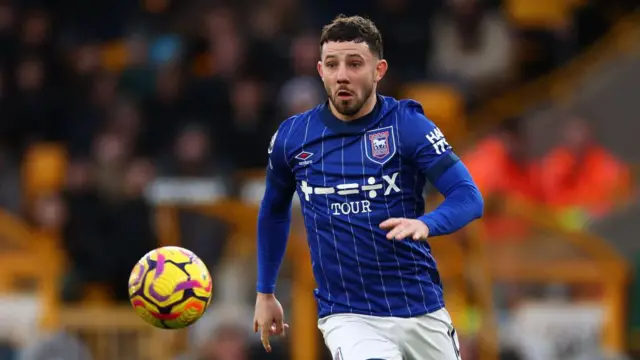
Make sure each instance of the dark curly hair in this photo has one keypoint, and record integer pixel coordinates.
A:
(353, 28)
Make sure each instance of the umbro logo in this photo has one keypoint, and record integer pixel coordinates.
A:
(304, 155)
(304, 158)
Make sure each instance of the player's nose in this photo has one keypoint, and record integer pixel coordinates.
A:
(342, 75)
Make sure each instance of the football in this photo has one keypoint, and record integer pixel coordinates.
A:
(170, 288)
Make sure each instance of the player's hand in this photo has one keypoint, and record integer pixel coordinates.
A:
(401, 228)
(268, 319)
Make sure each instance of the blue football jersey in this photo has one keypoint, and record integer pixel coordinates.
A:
(350, 177)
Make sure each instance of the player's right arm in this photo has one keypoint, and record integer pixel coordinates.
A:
(274, 220)
(274, 217)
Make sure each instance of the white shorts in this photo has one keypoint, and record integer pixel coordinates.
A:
(363, 337)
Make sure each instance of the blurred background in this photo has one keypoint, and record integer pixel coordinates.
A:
(127, 125)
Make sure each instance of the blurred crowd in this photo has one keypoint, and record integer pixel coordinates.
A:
(578, 178)
(127, 92)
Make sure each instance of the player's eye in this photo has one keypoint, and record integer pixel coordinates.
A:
(330, 65)
(356, 64)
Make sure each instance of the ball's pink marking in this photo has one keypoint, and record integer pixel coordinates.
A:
(184, 285)
(189, 284)
(159, 265)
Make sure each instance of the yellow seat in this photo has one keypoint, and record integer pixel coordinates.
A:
(15, 234)
(44, 169)
(31, 263)
(539, 14)
(115, 332)
(442, 104)
(21, 266)
(96, 294)
(32, 272)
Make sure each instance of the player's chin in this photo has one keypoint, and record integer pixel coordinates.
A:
(342, 103)
(346, 107)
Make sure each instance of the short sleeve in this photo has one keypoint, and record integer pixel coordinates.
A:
(425, 143)
(278, 170)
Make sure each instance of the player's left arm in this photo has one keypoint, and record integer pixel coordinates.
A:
(435, 158)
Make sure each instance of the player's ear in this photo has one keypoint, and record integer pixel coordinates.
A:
(320, 72)
(381, 69)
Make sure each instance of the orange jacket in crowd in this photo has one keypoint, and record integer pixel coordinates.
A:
(595, 180)
(498, 175)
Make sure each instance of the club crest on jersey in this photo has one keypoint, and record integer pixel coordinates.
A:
(380, 145)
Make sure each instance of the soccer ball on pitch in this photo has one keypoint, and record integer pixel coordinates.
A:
(170, 288)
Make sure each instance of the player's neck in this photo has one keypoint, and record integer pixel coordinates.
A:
(366, 109)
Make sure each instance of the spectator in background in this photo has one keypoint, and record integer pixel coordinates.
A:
(304, 54)
(299, 95)
(267, 47)
(501, 164)
(194, 159)
(502, 167)
(581, 174)
(472, 47)
(110, 224)
(193, 154)
(83, 234)
(89, 111)
(162, 108)
(111, 154)
(252, 118)
(227, 45)
(131, 223)
(304, 89)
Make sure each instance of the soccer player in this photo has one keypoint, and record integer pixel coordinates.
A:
(359, 163)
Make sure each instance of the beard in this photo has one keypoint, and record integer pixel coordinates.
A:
(352, 106)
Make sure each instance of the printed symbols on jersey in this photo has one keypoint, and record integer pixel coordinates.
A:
(437, 140)
(380, 144)
(372, 189)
